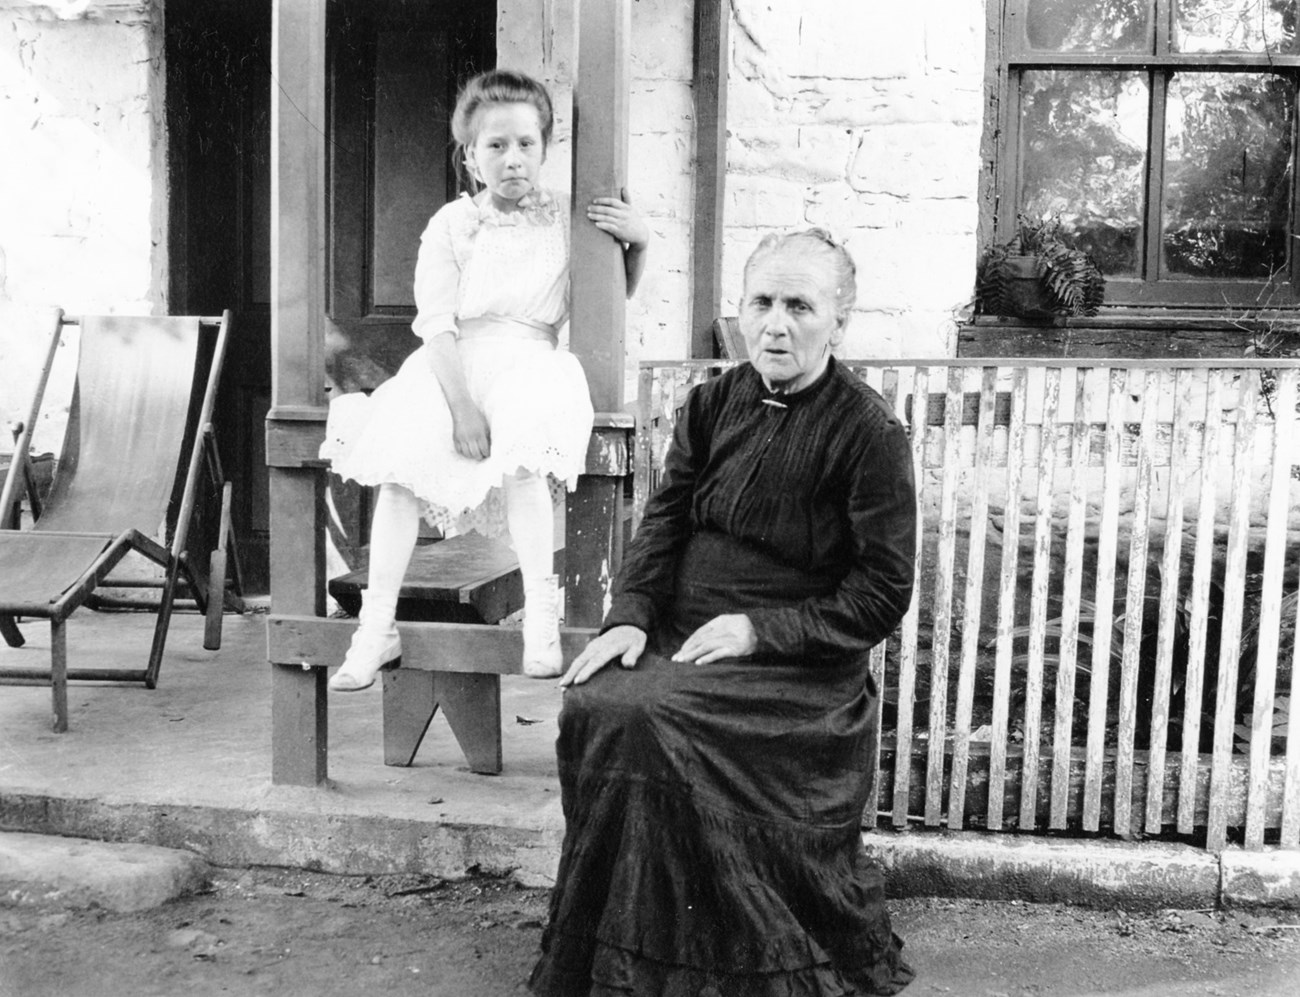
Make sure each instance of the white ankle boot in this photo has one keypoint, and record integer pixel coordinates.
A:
(542, 656)
(373, 646)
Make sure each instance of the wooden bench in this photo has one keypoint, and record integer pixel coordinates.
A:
(467, 579)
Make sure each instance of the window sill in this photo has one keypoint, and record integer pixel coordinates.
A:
(1118, 334)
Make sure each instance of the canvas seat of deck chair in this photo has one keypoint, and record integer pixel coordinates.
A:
(127, 481)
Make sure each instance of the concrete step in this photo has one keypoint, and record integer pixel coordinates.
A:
(43, 870)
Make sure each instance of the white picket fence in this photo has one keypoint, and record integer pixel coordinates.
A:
(1103, 635)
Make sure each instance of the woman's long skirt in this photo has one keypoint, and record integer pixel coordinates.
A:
(713, 815)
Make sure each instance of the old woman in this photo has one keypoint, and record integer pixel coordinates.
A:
(715, 740)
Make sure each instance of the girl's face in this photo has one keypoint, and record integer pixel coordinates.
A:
(507, 152)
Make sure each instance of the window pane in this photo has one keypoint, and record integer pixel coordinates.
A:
(1087, 25)
(1234, 25)
(1227, 174)
(1083, 158)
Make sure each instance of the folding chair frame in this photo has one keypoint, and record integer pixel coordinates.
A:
(20, 473)
(210, 594)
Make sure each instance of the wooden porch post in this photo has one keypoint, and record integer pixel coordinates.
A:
(599, 304)
(600, 121)
(298, 717)
(712, 48)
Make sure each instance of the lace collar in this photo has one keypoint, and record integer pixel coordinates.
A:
(538, 207)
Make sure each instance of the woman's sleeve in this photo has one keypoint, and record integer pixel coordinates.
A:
(643, 590)
(873, 597)
(437, 278)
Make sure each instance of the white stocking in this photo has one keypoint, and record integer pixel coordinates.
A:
(532, 524)
(393, 531)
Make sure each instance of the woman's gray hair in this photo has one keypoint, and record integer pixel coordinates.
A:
(820, 241)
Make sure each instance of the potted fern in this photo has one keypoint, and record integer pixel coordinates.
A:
(1036, 275)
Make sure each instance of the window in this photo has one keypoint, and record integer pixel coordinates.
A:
(1162, 134)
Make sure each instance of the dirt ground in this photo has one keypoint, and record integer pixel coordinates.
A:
(297, 934)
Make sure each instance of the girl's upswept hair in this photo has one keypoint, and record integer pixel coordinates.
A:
(815, 240)
(497, 86)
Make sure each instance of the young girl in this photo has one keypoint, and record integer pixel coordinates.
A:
(488, 401)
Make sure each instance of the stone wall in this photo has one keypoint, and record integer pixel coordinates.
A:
(863, 118)
(537, 37)
(83, 191)
(83, 196)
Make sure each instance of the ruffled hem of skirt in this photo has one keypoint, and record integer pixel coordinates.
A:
(402, 433)
(450, 498)
(626, 973)
(660, 892)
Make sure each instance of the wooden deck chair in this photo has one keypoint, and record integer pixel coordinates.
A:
(137, 448)
(29, 341)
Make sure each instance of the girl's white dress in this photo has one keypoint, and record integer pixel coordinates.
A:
(500, 282)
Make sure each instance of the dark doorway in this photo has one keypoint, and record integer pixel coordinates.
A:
(393, 72)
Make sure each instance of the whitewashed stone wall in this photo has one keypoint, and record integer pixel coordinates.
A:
(83, 196)
(538, 37)
(861, 117)
(864, 118)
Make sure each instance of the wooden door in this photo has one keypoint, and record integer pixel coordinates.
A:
(395, 66)
(394, 69)
(219, 151)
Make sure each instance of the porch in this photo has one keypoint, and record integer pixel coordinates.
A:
(188, 765)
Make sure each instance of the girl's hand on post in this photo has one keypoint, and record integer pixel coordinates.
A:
(619, 219)
(729, 636)
(470, 433)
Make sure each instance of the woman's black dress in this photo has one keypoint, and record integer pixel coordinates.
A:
(713, 811)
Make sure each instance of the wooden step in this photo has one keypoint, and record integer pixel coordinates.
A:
(465, 579)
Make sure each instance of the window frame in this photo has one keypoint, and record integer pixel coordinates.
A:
(1008, 56)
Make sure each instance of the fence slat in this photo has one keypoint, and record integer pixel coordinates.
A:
(1007, 599)
(1104, 606)
(1198, 625)
(970, 634)
(876, 665)
(1170, 561)
(1291, 785)
(943, 593)
(1134, 603)
(910, 631)
(889, 391)
(1234, 592)
(1039, 588)
(641, 461)
(1071, 598)
(1270, 608)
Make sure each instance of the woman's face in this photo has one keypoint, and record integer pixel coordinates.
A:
(789, 317)
(508, 151)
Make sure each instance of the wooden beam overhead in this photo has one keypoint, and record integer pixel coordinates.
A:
(712, 48)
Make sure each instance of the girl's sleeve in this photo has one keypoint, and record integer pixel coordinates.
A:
(437, 278)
